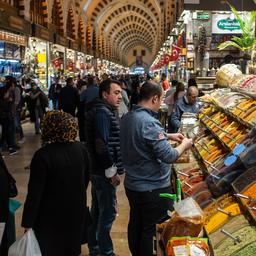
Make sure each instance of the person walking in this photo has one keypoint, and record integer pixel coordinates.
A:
(165, 82)
(88, 95)
(4, 206)
(55, 206)
(69, 97)
(147, 155)
(102, 136)
(37, 107)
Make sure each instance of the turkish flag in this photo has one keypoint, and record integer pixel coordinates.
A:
(175, 53)
(167, 59)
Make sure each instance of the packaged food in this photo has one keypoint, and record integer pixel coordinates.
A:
(187, 246)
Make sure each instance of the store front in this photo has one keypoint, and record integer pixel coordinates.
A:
(57, 60)
(37, 55)
(12, 51)
(70, 62)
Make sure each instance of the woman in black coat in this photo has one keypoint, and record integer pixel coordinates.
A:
(55, 206)
(4, 204)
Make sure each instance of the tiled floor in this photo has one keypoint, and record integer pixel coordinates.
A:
(18, 164)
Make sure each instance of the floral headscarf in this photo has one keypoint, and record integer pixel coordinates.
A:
(58, 126)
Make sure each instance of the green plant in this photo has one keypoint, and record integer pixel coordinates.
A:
(247, 41)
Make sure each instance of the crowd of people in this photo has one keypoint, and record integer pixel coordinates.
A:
(119, 133)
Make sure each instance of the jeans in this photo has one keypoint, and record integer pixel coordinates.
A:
(8, 133)
(103, 213)
(38, 116)
(18, 126)
(146, 210)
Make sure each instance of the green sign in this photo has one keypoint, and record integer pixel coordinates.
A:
(203, 16)
(228, 24)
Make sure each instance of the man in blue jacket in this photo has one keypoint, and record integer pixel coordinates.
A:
(188, 103)
(103, 143)
(146, 155)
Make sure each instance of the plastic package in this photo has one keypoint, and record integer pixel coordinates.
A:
(27, 245)
(187, 221)
(187, 246)
(188, 208)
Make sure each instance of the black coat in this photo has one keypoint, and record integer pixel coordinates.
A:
(69, 99)
(4, 203)
(56, 201)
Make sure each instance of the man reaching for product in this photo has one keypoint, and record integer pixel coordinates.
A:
(188, 103)
(147, 155)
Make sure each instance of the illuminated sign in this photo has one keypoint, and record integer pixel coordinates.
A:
(13, 38)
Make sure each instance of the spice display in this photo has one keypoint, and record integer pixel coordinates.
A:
(245, 179)
(247, 250)
(221, 216)
(233, 225)
(227, 247)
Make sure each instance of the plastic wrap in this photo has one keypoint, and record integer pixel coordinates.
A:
(187, 246)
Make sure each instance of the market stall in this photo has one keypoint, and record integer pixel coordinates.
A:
(220, 173)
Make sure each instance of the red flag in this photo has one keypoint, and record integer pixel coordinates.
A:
(167, 59)
(175, 52)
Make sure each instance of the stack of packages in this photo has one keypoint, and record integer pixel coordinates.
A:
(180, 235)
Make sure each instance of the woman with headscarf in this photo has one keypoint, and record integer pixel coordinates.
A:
(55, 206)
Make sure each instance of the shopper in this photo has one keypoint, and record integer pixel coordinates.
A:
(165, 83)
(54, 92)
(55, 207)
(146, 156)
(37, 107)
(188, 103)
(124, 105)
(7, 117)
(173, 97)
(102, 132)
(18, 99)
(69, 97)
(4, 205)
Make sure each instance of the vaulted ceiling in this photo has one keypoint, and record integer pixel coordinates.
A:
(117, 26)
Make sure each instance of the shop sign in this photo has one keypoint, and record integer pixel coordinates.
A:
(13, 38)
(222, 24)
(203, 15)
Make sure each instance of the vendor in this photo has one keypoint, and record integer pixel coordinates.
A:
(188, 103)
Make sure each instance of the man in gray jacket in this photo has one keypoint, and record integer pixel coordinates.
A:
(188, 103)
(146, 155)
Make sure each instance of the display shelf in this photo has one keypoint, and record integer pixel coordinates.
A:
(232, 115)
(228, 135)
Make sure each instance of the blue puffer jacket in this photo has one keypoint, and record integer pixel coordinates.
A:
(102, 136)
